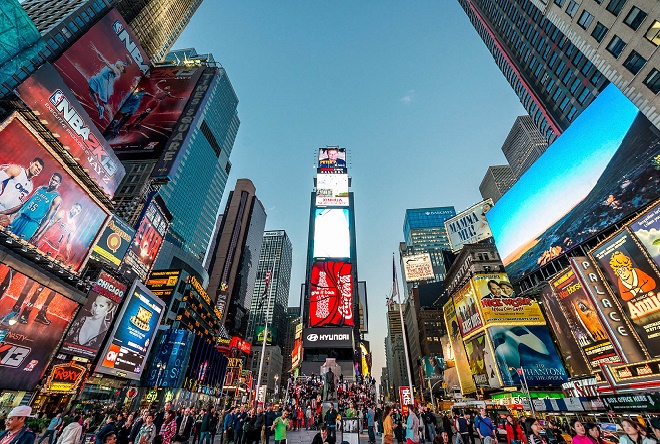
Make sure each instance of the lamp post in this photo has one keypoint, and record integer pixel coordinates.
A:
(277, 378)
(160, 366)
(431, 391)
(523, 383)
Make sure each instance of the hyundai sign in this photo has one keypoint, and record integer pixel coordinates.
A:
(340, 337)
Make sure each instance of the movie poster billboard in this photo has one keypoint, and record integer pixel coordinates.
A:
(146, 119)
(41, 201)
(458, 349)
(174, 349)
(552, 209)
(332, 159)
(47, 95)
(474, 349)
(633, 281)
(33, 319)
(93, 321)
(103, 67)
(582, 317)
(132, 337)
(646, 229)
(331, 294)
(467, 312)
(529, 348)
(332, 190)
(113, 243)
(433, 367)
(332, 234)
(418, 267)
(469, 226)
(500, 304)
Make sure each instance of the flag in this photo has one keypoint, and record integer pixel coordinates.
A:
(267, 282)
(395, 284)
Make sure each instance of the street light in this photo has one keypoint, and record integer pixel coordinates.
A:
(525, 386)
(431, 390)
(277, 378)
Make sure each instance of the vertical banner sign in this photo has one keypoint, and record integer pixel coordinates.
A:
(467, 312)
(475, 348)
(460, 358)
(405, 398)
(633, 280)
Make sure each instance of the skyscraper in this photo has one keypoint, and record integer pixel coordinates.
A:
(496, 182)
(553, 79)
(523, 145)
(275, 257)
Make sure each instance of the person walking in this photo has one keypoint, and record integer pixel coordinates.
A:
(51, 430)
(371, 423)
(388, 426)
(280, 426)
(412, 426)
(331, 421)
(461, 426)
(168, 429)
(205, 428)
(72, 433)
(431, 424)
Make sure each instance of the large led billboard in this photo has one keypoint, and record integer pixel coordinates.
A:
(174, 350)
(469, 226)
(458, 349)
(133, 335)
(33, 319)
(332, 159)
(331, 294)
(103, 67)
(600, 170)
(46, 94)
(500, 305)
(41, 201)
(332, 234)
(418, 267)
(146, 119)
(332, 190)
(113, 243)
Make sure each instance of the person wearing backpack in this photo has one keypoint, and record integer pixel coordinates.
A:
(485, 428)
(461, 426)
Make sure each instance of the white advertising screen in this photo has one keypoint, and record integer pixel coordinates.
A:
(332, 190)
(332, 235)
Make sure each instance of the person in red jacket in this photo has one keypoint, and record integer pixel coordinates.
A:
(514, 433)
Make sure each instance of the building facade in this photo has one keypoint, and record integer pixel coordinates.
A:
(523, 145)
(272, 370)
(394, 351)
(496, 182)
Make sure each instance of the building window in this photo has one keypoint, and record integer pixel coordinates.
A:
(583, 96)
(652, 81)
(560, 3)
(653, 34)
(564, 103)
(573, 7)
(635, 18)
(585, 19)
(616, 46)
(599, 32)
(615, 6)
(572, 113)
(634, 62)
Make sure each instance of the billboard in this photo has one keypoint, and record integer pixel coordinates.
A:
(163, 283)
(259, 335)
(331, 294)
(41, 201)
(148, 116)
(500, 304)
(113, 243)
(297, 355)
(530, 348)
(332, 190)
(433, 367)
(103, 67)
(418, 267)
(633, 282)
(338, 337)
(93, 321)
(332, 158)
(469, 226)
(132, 337)
(582, 317)
(332, 234)
(47, 95)
(481, 361)
(33, 319)
(174, 349)
(646, 229)
(458, 350)
(363, 308)
(467, 312)
(552, 209)
(149, 235)
(406, 398)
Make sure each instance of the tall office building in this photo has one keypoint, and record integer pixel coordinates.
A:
(235, 256)
(496, 182)
(552, 77)
(293, 323)
(620, 37)
(523, 145)
(275, 257)
(158, 23)
(394, 351)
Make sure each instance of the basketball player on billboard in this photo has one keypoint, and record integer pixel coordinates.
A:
(37, 212)
(102, 83)
(161, 94)
(55, 239)
(15, 187)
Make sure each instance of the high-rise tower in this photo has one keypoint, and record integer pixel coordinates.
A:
(523, 145)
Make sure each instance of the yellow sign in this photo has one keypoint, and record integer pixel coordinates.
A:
(501, 306)
(460, 357)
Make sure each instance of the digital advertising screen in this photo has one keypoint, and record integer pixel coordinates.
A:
(500, 304)
(469, 226)
(113, 243)
(418, 267)
(296, 357)
(633, 281)
(33, 319)
(529, 348)
(103, 67)
(146, 119)
(332, 158)
(646, 229)
(46, 94)
(611, 150)
(332, 190)
(259, 335)
(458, 349)
(93, 321)
(133, 335)
(433, 367)
(41, 201)
(467, 312)
(331, 294)
(162, 283)
(174, 348)
(332, 234)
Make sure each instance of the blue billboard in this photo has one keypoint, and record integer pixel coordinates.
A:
(174, 349)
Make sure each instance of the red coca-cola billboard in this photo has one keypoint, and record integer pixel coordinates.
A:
(331, 294)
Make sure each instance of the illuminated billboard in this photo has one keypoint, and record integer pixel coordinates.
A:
(103, 67)
(433, 367)
(418, 267)
(481, 361)
(469, 226)
(133, 335)
(41, 201)
(467, 312)
(33, 319)
(113, 243)
(46, 94)
(332, 158)
(163, 283)
(332, 190)
(646, 229)
(633, 281)
(331, 294)
(332, 234)
(600, 170)
(146, 119)
(500, 305)
(458, 349)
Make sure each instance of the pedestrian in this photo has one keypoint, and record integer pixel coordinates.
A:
(168, 428)
(397, 419)
(485, 428)
(309, 417)
(51, 430)
(634, 433)
(470, 426)
(322, 437)
(227, 429)
(371, 422)
(431, 423)
(110, 438)
(137, 425)
(109, 427)
(205, 428)
(270, 419)
(388, 426)
(185, 427)
(593, 431)
(280, 426)
(213, 429)
(553, 434)
(412, 426)
(655, 426)
(461, 426)
(514, 433)
(72, 433)
(260, 425)
(331, 421)
(447, 427)
(534, 436)
(159, 419)
(239, 418)
(148, 432)
(124, 432)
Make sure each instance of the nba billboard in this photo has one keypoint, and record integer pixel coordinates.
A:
(470, 226)
(331, 294)
(103, 67)
(418, 267)
(332, 190)
(332, 159)
(41, 201)
(46, 94)
(332, 234)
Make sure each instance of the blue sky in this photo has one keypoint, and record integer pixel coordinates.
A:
(408, 87)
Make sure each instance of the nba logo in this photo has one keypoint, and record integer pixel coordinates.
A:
(118, 27)
(57, 97)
